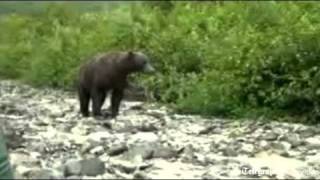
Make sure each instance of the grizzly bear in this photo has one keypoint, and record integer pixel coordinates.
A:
(108, 72)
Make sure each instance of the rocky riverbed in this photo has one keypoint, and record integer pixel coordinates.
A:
(47, 138)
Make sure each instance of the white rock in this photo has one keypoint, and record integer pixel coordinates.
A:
(263, 144)
(149, 137)
(80, 129)
(247, 148)
(313, 142)
(97, 150)
(286, 145)
(22, 170)
(98, 136)
(23, 159)
(93, 177)
(55, 111)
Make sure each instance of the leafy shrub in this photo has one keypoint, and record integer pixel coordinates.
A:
(214, 59)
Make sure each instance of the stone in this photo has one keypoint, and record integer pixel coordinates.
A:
(269, 136)
(144, 150)
(264, 145)
(208, 130)
(87, 167)
(74, 177)
(148, 137)
(247, 148)
(17, 175)
(99, 150)
(99, 136)
(92, 167)
(188, 155)
(306, 133)
(140, 175)
(207, 176)
(24, 159)
(282, 145)
(108, 176)
(89, 145)
(44, 174)
(117, 149)
(165, 153)
(229, 152)
(129, 167)
(156, 113)
(313, 142)
(22, 170)
(147, 128)
(72, 168)
(56, 111)
(293, 139)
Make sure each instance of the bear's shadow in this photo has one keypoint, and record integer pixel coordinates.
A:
(106, 115)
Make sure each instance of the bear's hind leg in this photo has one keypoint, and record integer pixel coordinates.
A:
(98, 98)
(117, 95)
(84, 98)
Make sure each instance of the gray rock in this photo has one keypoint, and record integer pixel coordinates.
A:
(44, 174)
(306, 133)
(74, 177)
(211, 129)
(188, 155)
(165, 153)
(269, 136)
(140, 175)
(127, 129)
(117, 149)
(92, 167)
(282, 145)
(314, 160)
(147, 128)
(129, 167)
(99, 150)
(293, 139)
(106, 124)
(247, 149)
(56, 112)
(230, 152)
(144, 137)
(13, 107)
(159, 114)
(207, 176)
(17, 175)
(89, 145)
(72, 168)
(108, 176)
(144, 150)
(88, 167)
(313, 142)
(24, 159)
(14, 137)
(263, 144)
(312, 152)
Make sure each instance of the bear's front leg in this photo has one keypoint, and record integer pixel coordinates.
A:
(98, 97)
(84, 98)
(117, 95)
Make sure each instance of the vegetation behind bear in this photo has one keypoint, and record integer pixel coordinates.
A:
(213, 59)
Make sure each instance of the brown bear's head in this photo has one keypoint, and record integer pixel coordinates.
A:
(139, 62)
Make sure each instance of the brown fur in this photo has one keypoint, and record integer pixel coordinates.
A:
(108, 72)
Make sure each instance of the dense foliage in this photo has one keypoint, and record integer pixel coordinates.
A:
(236, 59)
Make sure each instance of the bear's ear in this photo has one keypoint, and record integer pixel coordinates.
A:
(130, 55)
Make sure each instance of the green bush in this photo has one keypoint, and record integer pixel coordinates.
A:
(236, 59)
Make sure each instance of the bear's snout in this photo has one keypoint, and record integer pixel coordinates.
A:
(147, 68)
